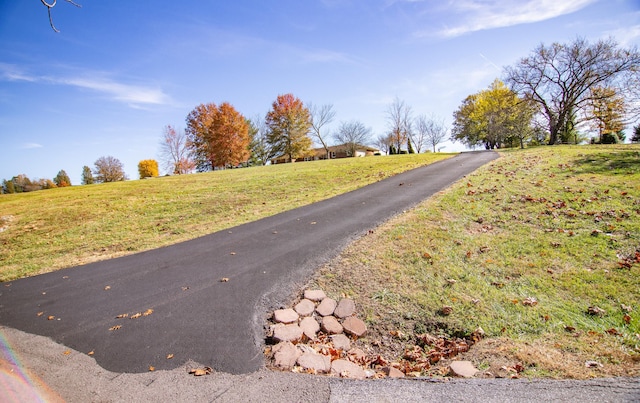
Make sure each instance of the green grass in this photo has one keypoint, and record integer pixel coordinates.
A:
(552, 223)
(52, 229)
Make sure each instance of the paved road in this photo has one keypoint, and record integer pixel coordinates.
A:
(192, 314)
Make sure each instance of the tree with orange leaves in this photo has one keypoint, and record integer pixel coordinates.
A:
(289, 122)
(218, 136)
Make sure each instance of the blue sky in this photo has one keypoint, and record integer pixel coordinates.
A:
(119, 71)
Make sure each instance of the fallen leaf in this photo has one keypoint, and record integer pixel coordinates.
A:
(592, 364)
(313, 223)
(91, 353)
(136, 315)
(116, 327)
(613, 332)
(201, 371)
(152, 368)
(51, 317)
(530, 301)
(627, 319)
(122, 315)
(147, 312)
(107, 288)
(232, 253)
(40, 313)
(169, 356)
(446, 310)
(569, 328)
(185, 288)
(626, 308)
(67, 352)
(594, 310)
(224, 279)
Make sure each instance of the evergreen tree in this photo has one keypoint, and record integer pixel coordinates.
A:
(636, 134)
(62, 179)
(87, 176)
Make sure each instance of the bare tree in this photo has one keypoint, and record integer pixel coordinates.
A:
(174, 153)
(559, 78)
(431, 130)
(399, 119)
(383, 142)
(109, 169)
(353, 134)
(320, 117)
(49, 6)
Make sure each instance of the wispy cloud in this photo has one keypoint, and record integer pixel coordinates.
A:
(131, 94)
(477, 15)
(626, 36)
(28, 146)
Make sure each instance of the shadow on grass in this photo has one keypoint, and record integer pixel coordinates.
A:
(610, 163)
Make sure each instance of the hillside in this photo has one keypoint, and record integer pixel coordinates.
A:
(539, 249)
(52, 229)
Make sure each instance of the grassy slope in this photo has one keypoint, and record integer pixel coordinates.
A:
(48, 230)
(552, 224)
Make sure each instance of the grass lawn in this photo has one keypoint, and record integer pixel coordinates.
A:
(52, 229)
(540, 249)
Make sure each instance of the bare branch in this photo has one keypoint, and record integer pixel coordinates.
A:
(50, 6)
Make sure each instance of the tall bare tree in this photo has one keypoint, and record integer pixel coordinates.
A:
(399, 120)
(174, 153)
(353, 134)
(320, 117)
(429, 131)
(559, 77)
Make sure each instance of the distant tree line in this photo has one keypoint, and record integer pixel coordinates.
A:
(106, 169)
(219, 137)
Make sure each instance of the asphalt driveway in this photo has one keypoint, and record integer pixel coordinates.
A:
(185, 309)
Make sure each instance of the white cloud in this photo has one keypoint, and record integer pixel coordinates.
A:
(131, 94)
(476, 15)
(28, 146)
(627, 36)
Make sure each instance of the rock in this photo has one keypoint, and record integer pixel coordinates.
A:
(285, 355)
(314, 361)
(369, 373)
(463, 369)
(347, 369)
(357, 354)
(315, 295)
(287, 332)
(285, 315)
(326, 307)
(392, 372)
(305, 307)
(346, 307)
(330, 325)
(354, 326)
(341, 342)
(309, 327)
